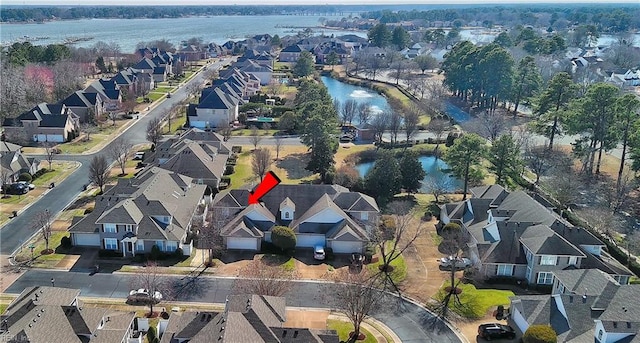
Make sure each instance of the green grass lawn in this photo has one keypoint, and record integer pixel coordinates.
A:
(44, 261)
(248, 132)
(242, 173)
(162, 89)
(3, 307)
(344, 328)
(155, 96)
(60, 171)
(286, 262)
(474, 303)
(80, 146)
(176, 124)
(399, 272)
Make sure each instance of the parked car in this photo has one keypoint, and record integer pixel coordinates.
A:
(143, 295)
(139, 155)
(318, 253)
(30, 186)
(460, 262)
(496, 330)
(18, 189)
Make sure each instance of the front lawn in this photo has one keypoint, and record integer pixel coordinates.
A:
(474, 303)
(44, 261)
(242, 173)
(286, 262)
(344, 328)
(399, 272)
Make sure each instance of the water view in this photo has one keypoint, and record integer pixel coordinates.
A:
(128, 32)
(342, 92)
(436, 173)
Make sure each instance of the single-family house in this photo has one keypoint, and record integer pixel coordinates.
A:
(245, 318)
(216, 109)
(44, 123)
(157, 207)
(622, 78)
(13, 163)
(261, 72)
(54, 314)
(414, 51)
(108, 91)
(511, 235)
(86, 106)
(326, 215)
(290, 53)
(586, 305)
(201, 155)
(190, 53)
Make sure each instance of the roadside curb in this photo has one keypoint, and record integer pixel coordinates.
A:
(379, 336)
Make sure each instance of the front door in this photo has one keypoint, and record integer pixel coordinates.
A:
(129, 247)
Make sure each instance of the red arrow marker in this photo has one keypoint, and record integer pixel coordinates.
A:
(268, 183)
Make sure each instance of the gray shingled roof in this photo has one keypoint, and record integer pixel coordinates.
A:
(584, 281)
(541, 240)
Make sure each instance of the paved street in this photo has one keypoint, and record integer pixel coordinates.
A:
(410, 322)
(246, 140)
(19, 229)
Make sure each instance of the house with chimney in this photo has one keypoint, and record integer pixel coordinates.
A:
(245, 318)
(586, 305)
(53, 314)
(512, 235)
(156, 208)
(325, 215)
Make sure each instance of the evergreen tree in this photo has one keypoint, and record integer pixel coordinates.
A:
(464, 156)
(383, 180)
(412, 172)
(551, 106)
(305, 65)
(527, 81)
(379, 35)
(400, 38)
(505, 158)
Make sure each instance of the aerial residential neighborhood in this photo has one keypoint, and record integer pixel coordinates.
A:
(296, 173)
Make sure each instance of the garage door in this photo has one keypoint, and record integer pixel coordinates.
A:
(86, 239)
(346, 247)
(41, 138)
(242, 243)
(310, 241)
(55, 138)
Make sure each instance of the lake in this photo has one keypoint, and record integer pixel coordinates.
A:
(343, 91)
(128, 32)
(434, 169)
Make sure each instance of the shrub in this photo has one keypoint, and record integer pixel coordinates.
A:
(65, 242)
(228, 170)
(269, 248)
(88, 210)
(104, 253)
(178, 252)
(40, 173)
(540, 334)
(283, 237)
(151, 334)
(236, 149)
(25, 177)
(156, 254)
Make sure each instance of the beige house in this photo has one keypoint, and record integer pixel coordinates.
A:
(44, 123)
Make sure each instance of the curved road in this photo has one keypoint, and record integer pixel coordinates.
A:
(413, 324)
(17, 231)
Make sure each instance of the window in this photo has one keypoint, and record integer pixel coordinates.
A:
(600, 334)
(529, 256)
(364, 216)
(171, 246)
(545, 278)
(160, 245)
(505, 270)
(573, 260)
(111, 244)
(286, 215)
(561, 289)
(129, 228)
(548, 260)
(140, 246)
(110, 228)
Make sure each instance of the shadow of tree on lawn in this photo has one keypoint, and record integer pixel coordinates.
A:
(295, 165)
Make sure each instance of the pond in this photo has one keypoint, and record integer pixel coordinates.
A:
(436, 173)
(343, 91)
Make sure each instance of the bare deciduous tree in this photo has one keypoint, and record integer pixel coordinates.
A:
(364, 113)
(278, 140)
(154, 132)
(356, 295)
(119, 150)
(42, 221)
(88, 129)
(411, 120)
(261, 162)
(380, 124)
(226, 132)
(493, 124)
(395, 123)
(99, 171)
(261, 278)
(392, 238)
(438, 127)
(348, 111)
(255, 137)
(438, 186)
(151, 279)
(210, 237)
(49, 151)
(453, 242)
(538, 158)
